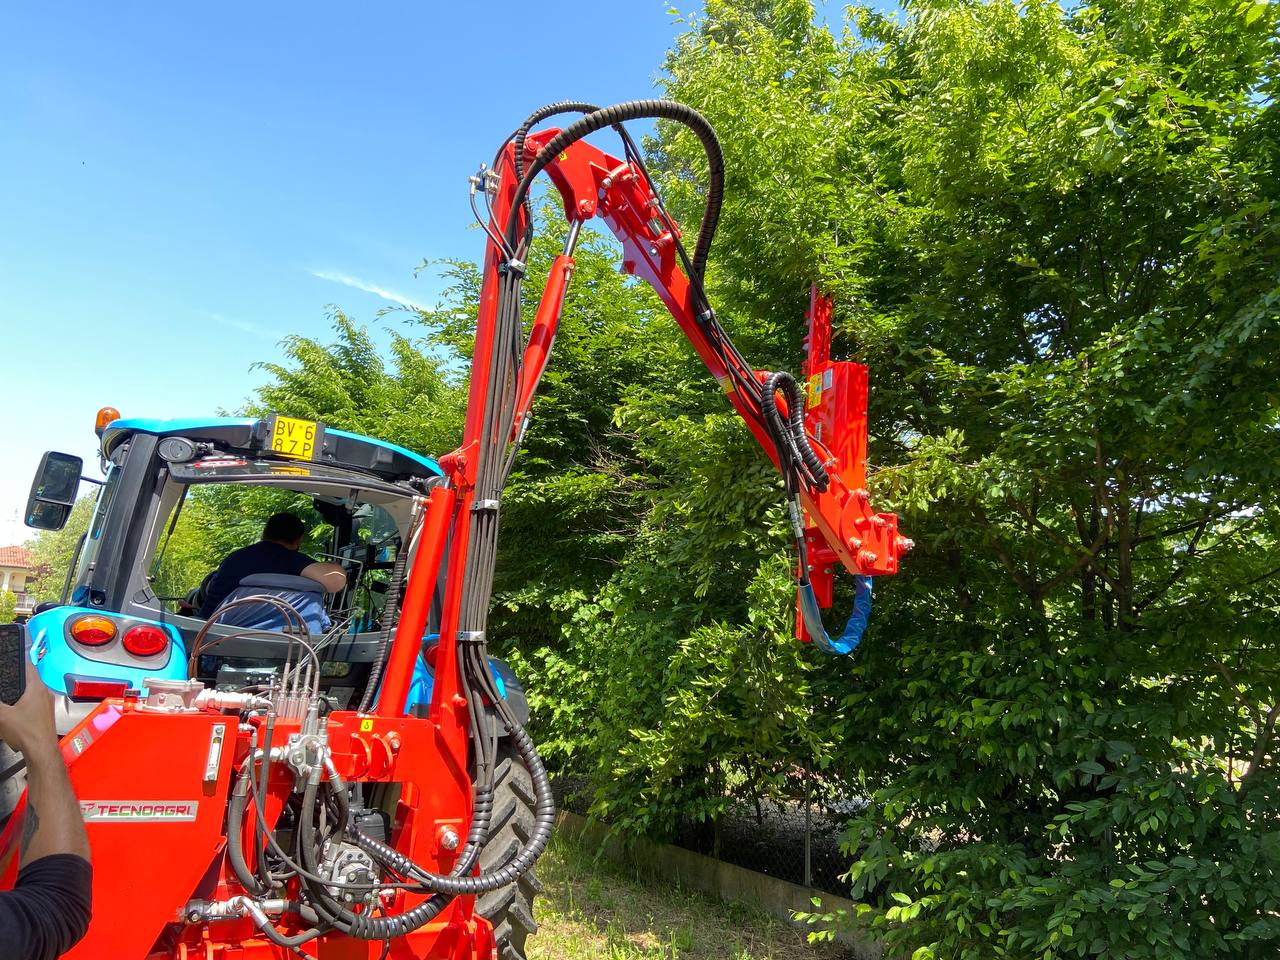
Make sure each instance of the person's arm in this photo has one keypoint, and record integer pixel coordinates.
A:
(53, 822)
(331, 576)
(48, 910)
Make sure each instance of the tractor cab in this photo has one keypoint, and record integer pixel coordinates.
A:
(178, 496)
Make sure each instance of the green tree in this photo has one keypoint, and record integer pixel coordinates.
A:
(406, 399)
(8, 606)
(1052, 234)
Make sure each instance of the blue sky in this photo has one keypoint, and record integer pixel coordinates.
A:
(182, 186)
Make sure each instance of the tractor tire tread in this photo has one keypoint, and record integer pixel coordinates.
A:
(510, 908)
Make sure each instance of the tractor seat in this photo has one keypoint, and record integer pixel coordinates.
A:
(302, 593)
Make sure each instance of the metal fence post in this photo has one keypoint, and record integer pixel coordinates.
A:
(808, 831)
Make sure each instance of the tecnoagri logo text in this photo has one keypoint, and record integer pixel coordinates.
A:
(138, 810)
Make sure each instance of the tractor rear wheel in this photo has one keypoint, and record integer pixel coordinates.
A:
(510, 908)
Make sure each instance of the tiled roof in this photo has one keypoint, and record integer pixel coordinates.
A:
(15, 557)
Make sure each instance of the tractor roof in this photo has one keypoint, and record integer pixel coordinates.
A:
(248, 434)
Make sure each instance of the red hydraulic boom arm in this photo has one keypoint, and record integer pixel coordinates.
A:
(840, 525)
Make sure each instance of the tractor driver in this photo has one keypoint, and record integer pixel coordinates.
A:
(277, 552)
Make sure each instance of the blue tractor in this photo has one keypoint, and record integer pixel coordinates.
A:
(116, 628)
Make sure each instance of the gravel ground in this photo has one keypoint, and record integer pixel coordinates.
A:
(773, 844)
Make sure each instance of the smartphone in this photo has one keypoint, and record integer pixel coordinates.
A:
(13, 661)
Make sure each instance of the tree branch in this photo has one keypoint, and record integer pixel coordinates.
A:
(1265, 736)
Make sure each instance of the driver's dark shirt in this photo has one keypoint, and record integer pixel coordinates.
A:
(265, 556)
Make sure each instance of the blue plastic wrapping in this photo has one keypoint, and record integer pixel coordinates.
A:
(849, 639)
(304, 595)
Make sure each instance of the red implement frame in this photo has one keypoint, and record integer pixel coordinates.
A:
(155, 786)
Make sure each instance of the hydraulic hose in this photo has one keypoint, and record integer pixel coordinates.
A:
(289, 942)
(788, 434)
(545, 113)
(639, 110)
(235, 821)
(368, 927)
(544, 821)
(851, 636)
(360, 925)
(397, 861)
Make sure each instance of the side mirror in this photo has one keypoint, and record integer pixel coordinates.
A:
(53, 492)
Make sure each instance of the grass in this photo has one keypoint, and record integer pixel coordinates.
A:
(594, 910)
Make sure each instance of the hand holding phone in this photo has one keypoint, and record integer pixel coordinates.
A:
(26, 706)
(13, 660)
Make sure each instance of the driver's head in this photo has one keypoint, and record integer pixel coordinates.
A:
(284, 529)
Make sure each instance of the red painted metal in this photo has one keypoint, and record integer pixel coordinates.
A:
(158, 825)
(836, 417)
(417, 602)
(542, 335)
(10, 854)
(158, 841)
(594, 183)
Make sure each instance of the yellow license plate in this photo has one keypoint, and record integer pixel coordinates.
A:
(296, 439)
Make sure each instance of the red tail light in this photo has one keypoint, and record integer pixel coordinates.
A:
(94, 688)
(145, 640)
(93, 630)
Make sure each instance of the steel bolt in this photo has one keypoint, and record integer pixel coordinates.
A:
(448, 839)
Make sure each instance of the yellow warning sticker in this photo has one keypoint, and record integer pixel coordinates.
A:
(366, 726)
(815, 389)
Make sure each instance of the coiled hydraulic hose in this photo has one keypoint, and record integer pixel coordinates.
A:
(368, 927)
(544, 821)
(788, 433)
(545, 113)
(639, 110)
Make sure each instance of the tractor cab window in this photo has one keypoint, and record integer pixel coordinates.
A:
(375, 532)
(202, 522)
(372, 550)
(209, 521)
